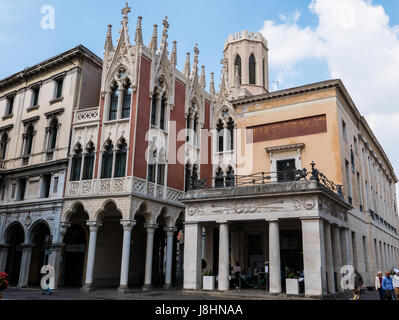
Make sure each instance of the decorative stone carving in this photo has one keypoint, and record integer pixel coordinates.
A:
(308, 204)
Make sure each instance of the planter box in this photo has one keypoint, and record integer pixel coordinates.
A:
(208, 282)
(292, 286)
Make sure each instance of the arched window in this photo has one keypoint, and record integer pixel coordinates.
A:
(3, 146)
(152, 163)
(154, 108)
(76, 163)
(219, 179)
(28, 141)
(187, 177)
(163, 110)
(107, 159)
(127, 100)
(237, 63)
(230, 130)
(161, 168)
(120, 159)
(230, 177)
(252, 70)
(113, 108)
(220, 130)
(52, 135)
(88, 165)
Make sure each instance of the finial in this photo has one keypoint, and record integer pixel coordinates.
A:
(139, 33)
(125, 11)
(187, 66)
(165, 24)
(154, 39)
(203, 80)
(173, 56)
(212, 84)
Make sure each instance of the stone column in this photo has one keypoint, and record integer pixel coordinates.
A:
(54, 260)
(274, 257)
(329, 258)
(3, 256)
(91, 255)
(346, 247)
(337, 257)
(192, 256)
(170, 232)
(224, 255)
(127, 237)
(150, 227)
(314, 260)
(25, 265)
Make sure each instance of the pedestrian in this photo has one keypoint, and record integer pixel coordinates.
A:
(387, 286)
(237, 274)
(358, 285)
(378, 285)
(395, 282)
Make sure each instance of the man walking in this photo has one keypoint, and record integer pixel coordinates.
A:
(387, 286)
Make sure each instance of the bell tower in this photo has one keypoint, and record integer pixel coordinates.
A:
(246, 62)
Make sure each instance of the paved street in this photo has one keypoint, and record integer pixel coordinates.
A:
(109, 294)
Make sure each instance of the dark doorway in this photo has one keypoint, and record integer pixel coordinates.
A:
(75, 252)
(291, 250)
(286, 170)
(40, 237)
(15, 237)
(215, 251)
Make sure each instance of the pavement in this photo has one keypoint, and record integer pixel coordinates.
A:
(160, 294)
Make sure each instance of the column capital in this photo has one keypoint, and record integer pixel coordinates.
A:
(273, 220)
(222, 222)
(150, 226)
(171, 229)
(128, 224)
(315, 218)
(64, 225)
(94, 225)
(27, 246)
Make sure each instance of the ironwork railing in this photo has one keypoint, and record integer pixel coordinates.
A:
(232, 180)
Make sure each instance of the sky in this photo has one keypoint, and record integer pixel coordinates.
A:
(309, 41)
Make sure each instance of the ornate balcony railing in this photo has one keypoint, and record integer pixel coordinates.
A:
(86, 115)
(231, 180)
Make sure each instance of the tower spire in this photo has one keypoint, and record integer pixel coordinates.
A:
(108, 40)
(139, 32)
(154, 39)
(187, 65)
(173, 56)
(212, 84)
(203, 80)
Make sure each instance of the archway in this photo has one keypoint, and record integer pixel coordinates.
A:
(107, 266)
(15, 236)
(159, 252)
(138, 252)
(39, 238)
(75, 250)
(178, 253)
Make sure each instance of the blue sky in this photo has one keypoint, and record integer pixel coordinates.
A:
(309, 41)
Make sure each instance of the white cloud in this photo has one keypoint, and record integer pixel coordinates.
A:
(357, 43)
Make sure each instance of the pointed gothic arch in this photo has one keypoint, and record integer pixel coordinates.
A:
(237, 63)
(252, 69)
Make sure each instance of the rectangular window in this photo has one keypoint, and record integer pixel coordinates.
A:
(46, 185)
(161, 174)
(355, 145)
(35, 96)
(59, 84)
(13, 190)
(10, 105)
(286, 170)
(359, 187)
(88, 167)
(354, 246)
(344, 133)
(348, 182)
(21, 189)
(55, 185)
(113, 109)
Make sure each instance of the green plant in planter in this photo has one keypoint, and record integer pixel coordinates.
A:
(291, 276)
(208, 273)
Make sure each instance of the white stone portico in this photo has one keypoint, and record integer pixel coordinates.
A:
(308, 203)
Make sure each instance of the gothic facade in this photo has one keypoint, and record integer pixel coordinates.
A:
(152, 172)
